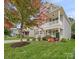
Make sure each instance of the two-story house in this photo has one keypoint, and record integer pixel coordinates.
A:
(57, 24)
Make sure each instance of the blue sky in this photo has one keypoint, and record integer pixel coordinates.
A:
(68, 5)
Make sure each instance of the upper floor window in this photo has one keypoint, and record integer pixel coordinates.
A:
(55, 19)
(50, 19)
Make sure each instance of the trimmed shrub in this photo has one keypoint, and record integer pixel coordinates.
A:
(39, 38)
(63, 40)
(73, 36)
(33, 39)
(6, 31)
(28, 38)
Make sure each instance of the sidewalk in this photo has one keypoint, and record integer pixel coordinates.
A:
(13, 41)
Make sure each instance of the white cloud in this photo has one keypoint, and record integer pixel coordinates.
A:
(71, 13)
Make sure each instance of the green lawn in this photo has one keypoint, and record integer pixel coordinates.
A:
(41, 50)
(10, 38)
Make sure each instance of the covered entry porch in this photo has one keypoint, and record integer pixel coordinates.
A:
(57, 33)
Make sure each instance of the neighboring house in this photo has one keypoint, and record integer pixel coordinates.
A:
(14, 31)
(57, 24)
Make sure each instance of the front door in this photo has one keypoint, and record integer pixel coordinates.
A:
(57, 34)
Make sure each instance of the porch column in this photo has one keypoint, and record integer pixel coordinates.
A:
(59, 33)
(45, 33)
(59, 16)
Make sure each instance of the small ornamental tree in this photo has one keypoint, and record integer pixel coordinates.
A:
(24, 9)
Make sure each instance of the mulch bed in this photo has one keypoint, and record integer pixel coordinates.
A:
(19, 44)
(53, 39)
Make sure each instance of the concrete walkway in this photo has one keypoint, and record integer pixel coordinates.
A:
(13, 41)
